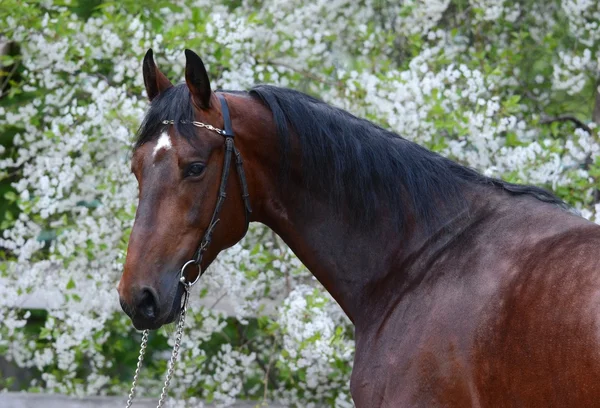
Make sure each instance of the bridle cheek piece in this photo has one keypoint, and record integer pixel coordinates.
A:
(230, 148)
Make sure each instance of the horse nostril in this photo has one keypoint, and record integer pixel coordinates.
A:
(147, 306)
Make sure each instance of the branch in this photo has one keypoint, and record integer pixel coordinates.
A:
(9, 75)
(567, 118)
(596, 113)
(269, 376)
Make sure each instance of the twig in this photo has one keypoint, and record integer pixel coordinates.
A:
(596, 112)
(8, 77)
(216, 302)
(567, 118)
(269, 376)
(268, 371)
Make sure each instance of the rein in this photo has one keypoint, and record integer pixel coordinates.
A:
(230, 148)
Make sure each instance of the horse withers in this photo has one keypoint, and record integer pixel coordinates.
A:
(465, 291)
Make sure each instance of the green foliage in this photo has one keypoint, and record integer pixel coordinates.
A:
(480, 81)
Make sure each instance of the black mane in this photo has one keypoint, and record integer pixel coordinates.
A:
(357, 166)
(362, 168)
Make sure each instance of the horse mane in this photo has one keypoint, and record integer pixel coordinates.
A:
(355, 165)
(361, 168)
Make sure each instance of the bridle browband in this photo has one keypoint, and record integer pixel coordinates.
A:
(230, 148)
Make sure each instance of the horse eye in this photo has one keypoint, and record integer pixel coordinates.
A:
(194, 169)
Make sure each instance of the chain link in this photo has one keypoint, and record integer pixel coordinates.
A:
(198, 124)
(175, 352)
(137, 369)
(172, 360)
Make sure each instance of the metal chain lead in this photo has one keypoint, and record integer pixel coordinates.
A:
(172, 360)
(137, 369)
(175, 352)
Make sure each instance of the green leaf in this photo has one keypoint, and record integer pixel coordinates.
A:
(10, 196)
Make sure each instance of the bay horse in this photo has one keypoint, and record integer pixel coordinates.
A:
(464, 290)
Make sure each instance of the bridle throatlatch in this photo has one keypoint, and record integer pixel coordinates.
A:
(230, 148)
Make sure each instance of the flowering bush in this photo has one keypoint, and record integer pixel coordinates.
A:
(511, 89)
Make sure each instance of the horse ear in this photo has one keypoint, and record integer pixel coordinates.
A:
(197, 79)
(155, 81)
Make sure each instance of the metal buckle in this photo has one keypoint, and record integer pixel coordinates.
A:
(182, 277)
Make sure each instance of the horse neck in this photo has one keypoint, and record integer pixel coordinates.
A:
(351, 261)
(364, 269)
(345, 258)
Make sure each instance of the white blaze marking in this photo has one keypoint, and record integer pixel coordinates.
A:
(164, 142)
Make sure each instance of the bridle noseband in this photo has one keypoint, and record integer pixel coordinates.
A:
(230, 148)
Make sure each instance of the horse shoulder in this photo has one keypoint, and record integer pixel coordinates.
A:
(540, 345)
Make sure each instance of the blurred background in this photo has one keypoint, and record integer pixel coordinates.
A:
(511, 88)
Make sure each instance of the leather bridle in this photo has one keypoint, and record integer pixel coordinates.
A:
(230, 148)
